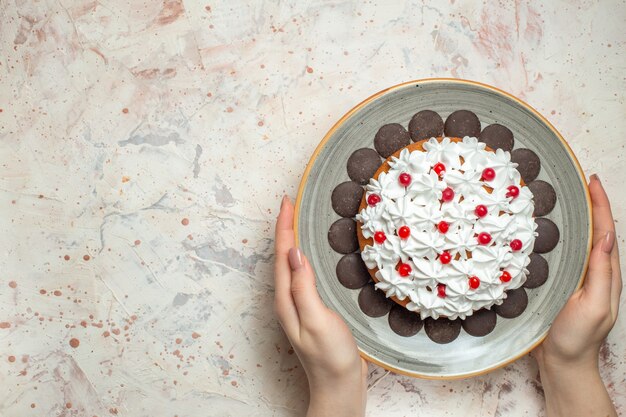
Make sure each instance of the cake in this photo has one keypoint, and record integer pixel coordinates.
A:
(404, 278)
(446, 227)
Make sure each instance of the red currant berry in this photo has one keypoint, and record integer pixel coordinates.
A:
(439, 168)
(405, 179)
(516, 245)
(474, 282)
(373, 199)
(488, 174)
(513, 191)
(404, 232)
(505, 277)
(441, 290)
(445, 257)
(404, 270)
(480, 210)
(380, 237)
(484, 238)
(443, 226)
(447, 194)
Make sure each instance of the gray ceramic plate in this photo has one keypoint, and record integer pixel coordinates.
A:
(512, 338)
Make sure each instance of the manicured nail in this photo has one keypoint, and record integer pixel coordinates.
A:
(595, 177)
(282, 203)
(295, 258)
(608, 242)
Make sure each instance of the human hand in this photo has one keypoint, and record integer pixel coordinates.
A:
(568, 357)
(320, 338)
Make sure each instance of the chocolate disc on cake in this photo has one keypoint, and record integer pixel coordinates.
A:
(544, 197)
(462, 123)
(481, 323)
(528, 163)
(425, 124)
(373, 302)
(404, 322)
(346, 198)
(497, 136)
(442, 330)
(362, 164)
(548, 235)
(390, 138)
(538, 271)
(513, 305)
(342, 236)
(352, 272)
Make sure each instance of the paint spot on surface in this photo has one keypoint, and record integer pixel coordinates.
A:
(185, 221)
(68, 405)
(42, 292)
(4, 325)
(125, 179)
(195, 335)
(137, 242)
(86, 257)
(13, 284)
(74, 342)
(179, 341)
(172, 10)
(125, 110)
(229, 109)
(66, 257)
(309, 70)
(58, 293)
(260, 123)
(11, 359)
(33, 405)
(233, 383)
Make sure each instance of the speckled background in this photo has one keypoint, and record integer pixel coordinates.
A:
(144, 146)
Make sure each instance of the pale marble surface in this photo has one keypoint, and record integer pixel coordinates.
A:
(120, 119)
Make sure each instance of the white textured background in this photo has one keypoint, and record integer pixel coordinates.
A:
(121, 121)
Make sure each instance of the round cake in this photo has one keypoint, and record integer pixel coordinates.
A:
(446, 227)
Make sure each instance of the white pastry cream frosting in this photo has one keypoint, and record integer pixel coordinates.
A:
(452, 228)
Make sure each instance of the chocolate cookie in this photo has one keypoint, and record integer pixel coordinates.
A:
(514, 304)
(548, 235)
(346, 198)
(390, 138)
(442, 330)
(373, 302)
(362, 164)
(481, 323)
(352, 272)
(528, 163)
(538, 271)
(342, 236)
(497, 136)
(404, 322)
(462, 123)
(425, 125)
(544, 197)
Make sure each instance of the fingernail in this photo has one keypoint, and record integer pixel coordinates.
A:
(295, 258)
(282, 203)
(608, 242)
(595, 177)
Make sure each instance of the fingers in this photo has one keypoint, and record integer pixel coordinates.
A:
(284, 240)
(305, 296)
(602, 216)
(599, 275)
(603, 223)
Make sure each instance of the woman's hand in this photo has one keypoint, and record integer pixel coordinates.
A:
(320, 338)
(568, 357)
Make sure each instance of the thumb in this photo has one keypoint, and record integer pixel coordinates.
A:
(303, 289)
(599, 274)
